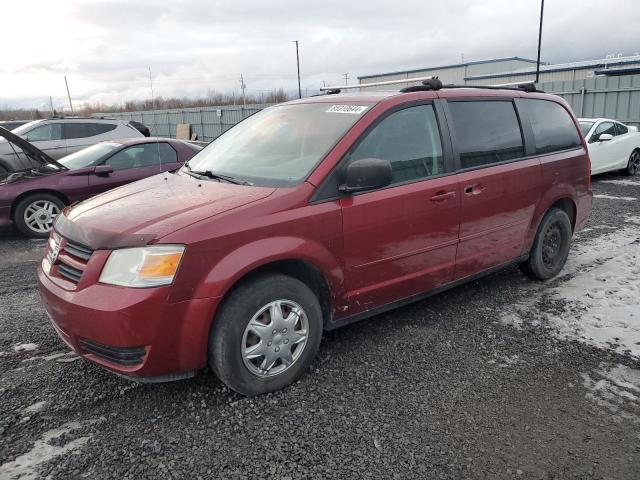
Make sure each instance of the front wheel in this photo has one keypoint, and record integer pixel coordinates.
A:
(266, 334)
(633, 166)
(550, 247)
(35, 214)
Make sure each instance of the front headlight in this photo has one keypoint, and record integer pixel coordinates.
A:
(142, 267)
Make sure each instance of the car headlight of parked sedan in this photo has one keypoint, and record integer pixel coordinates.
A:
(142, 267)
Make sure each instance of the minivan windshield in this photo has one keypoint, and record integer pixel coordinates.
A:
(278, 146)
(585, 127)
(88, 157)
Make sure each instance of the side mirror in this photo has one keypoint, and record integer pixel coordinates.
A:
(366, 174)
(103, 170)
(605, 137)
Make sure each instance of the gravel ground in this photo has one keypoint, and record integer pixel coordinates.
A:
(438, 389)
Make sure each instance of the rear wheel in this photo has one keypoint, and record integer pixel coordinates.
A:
(266, 334)
(35, 214)
(633, 166)
(550, 247)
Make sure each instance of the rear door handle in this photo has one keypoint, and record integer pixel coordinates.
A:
(442, 196)
(476, 189)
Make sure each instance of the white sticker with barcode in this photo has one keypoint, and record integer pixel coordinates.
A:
(353, 109)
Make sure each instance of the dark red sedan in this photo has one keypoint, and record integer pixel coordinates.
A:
(32, 198)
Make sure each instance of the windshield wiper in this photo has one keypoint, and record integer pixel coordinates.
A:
(215, 176)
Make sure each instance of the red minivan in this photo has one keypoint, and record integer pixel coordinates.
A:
(310, 215)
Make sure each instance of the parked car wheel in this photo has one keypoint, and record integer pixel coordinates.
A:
(550, 247)
(266, 334)
(633, 167)
(35, 214)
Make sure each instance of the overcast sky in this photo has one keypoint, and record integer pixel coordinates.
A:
(106, 47)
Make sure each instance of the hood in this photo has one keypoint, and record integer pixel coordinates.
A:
(140, 212)
(29, 149)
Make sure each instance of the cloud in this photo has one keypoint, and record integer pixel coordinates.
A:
(106, 47)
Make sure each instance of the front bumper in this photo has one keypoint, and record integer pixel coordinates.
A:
(133, 332)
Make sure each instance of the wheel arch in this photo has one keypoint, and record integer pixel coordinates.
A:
(565, 202)
(63, 198)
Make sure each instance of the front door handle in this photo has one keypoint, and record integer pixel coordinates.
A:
(442, 196)
(476, 189)
(55, 147)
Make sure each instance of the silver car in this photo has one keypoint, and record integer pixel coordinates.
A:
(58, 137)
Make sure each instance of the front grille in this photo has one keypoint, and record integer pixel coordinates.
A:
(77, 250)
(69, 273)
(126, 356)
(68, 259)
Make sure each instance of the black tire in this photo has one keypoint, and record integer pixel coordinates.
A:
(550, 247)
(633, 165)
(226, 339)
(18, 216)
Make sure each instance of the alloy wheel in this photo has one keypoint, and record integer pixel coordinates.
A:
(40, 215)
(274, 338)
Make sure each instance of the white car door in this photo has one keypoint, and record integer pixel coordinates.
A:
(603, 153)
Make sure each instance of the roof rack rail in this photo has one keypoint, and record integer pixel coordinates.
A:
(375, 84)
(518, 87)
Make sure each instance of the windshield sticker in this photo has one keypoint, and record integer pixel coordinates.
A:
(353, 109)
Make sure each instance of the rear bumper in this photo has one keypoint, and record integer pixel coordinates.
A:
(133, 332)
(583, 211)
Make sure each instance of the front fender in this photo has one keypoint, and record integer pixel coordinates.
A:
(248, 257)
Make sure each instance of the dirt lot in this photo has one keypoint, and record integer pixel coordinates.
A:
(502, 378)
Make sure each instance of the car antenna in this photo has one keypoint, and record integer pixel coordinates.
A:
(153, 107)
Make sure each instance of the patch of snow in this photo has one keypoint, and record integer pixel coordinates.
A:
(626, 183)
(633, 219)
(25, 347)
(25, 467)
(35, 408)
(595, 299)
(616, 389)
(611, 197)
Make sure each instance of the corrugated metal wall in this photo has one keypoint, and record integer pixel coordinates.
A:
(609, 97)
(208, 122)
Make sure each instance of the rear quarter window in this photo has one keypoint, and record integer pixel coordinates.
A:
(85, 130)
(553, 127)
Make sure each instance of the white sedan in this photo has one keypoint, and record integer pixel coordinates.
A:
(612, 145)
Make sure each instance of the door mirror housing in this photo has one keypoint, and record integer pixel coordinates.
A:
(103, 170)
(366, 174)
(604, 137)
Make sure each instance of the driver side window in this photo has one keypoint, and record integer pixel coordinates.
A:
(410, 140)
(52, 131)
(143, 155)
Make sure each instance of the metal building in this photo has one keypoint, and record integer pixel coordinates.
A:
(515, 69)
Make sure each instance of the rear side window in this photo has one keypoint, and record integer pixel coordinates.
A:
(553, 127)
(84, 130)
(410, 140)
(622, 130)
(486, 132)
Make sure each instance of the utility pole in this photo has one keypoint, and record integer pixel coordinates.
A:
(298, 63)
(242, 86)
(53, 112)
(346, 79)
(539, 41)
(68, 94)
(153, 107)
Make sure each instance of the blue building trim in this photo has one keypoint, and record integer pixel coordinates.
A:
(597, 65)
